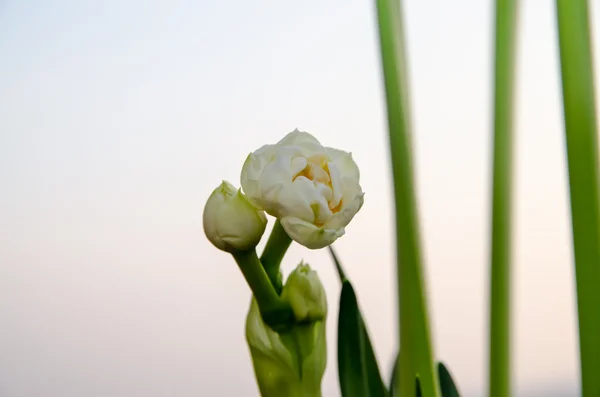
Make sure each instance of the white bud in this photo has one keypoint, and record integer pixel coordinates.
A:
(230, 221)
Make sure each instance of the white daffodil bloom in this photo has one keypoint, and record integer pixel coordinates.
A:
(313, 190)
(230, 221)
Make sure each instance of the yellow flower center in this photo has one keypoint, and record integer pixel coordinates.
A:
(316, 169)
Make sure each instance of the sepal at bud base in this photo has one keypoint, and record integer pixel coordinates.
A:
(231, 223)
(291, 363)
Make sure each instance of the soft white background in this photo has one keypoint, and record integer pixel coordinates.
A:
(118, 118)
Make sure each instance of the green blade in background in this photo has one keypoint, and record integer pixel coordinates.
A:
(580, 127)
(499, 325)
(415, 342)
(447, 386)
(446, 383)
(358, 371)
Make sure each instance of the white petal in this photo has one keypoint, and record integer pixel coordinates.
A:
(298, 138)
(321, 210)
(277, 172)
(345, 163)
(352, 203)
(298, 165)
(325, 191)
(252, 170)
(318, 174)
(308, 144)
(336, 184)
(309, 235)
(294, 199)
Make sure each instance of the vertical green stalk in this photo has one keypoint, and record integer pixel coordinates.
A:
(416, 357)
(499, 349)
(580, 128)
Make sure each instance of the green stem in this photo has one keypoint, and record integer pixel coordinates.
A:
(416, 352)
(580, 128)
(275, 312)
(276, 247)
(499, 342)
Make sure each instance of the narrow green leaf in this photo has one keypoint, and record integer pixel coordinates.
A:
(580, 126)
(394, 390)
(338, 264)
(416, 350)
(358, 371)
(499, 337)
(446, 383)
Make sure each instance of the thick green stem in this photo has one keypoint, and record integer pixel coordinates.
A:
(275, 312)
(499, 342)
(276, 247)
(580, 127)
(416, 352)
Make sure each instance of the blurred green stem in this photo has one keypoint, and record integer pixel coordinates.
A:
(416, 355)
(580, 127)
(499, 327)
(276, 247)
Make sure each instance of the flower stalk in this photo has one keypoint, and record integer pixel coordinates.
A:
(275, 312)
(277, 245)
(582, 153)
(500, 258)
(416, 351)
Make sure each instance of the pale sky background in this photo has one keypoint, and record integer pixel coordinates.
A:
(118, 118)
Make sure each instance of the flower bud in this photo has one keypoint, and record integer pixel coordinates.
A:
(305, 294)
(230, 221)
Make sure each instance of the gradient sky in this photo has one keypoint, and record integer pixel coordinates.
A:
(118, 118)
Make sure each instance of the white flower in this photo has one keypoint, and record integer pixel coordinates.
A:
(313, 190)
(230, 221)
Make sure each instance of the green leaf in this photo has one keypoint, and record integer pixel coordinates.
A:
(394, 390)
(446, 383)
(338, 264)
(359, 374)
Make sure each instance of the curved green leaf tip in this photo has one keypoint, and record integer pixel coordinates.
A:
(446, 383)
(358, 371)
(394, 392)
(447, 386)
(338, 264)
